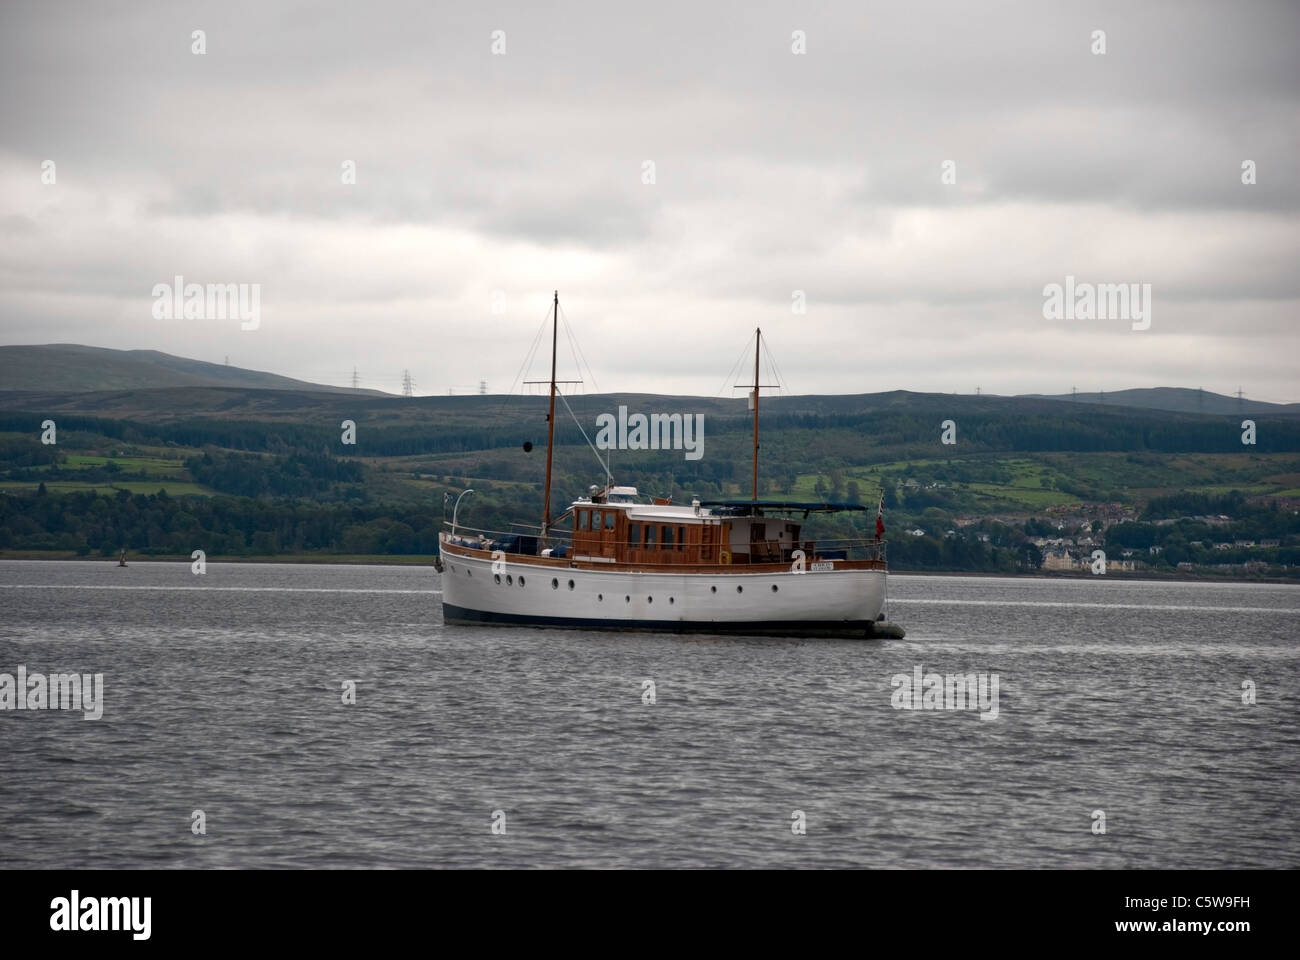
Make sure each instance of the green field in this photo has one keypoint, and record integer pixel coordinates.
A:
(1030, 487)
(175, 488)
(1249, 489)
(153, 465)
(1041, 480)
(1033, 497)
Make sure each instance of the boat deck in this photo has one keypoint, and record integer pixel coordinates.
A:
(580, 562)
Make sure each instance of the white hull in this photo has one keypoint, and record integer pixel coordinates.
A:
(825, 602)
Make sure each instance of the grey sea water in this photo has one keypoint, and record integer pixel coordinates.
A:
(223, 693)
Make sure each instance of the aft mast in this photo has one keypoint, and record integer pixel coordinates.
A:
(758, 333)
(753, 394)
(550, 421)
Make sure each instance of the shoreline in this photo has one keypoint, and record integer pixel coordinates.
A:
(426, 560)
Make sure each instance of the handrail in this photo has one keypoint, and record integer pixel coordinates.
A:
(692, 554)
(826, 543)
(462, 530)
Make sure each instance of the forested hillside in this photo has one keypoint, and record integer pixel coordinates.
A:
(270, 472)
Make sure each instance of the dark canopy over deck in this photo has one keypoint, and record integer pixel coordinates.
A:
(756, 508)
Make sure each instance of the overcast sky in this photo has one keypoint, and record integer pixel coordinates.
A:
(481, 174)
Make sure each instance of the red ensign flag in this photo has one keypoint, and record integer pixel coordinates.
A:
(880, 517)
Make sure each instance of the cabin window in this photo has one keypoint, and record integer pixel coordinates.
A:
(609, 519)
(668, 538)
(650, 536)
(634, 534)
(681, 538)
(582, 519)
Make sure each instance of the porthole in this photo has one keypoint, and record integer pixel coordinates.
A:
(469, 573)
(555, 584)
(774, 588)
(496, 577)
(714, 589)
(600, 596)
(570, 584)
(670, 600)
(627, 599)
(740, 589)
(521, 581)
(649, 599)
(510, 581)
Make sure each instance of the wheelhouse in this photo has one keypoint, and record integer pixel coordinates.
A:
(612, 527)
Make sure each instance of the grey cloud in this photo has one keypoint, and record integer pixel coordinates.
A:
(774, 173)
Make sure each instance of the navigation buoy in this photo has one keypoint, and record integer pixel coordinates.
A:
(122, 560)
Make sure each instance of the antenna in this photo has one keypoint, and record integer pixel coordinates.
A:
(355, 378)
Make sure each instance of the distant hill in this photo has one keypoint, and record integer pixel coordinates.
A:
(74, 368)
(142, 384)
(1176, 400)
(231, 404)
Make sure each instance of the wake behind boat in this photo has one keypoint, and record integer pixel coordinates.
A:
(612, 561)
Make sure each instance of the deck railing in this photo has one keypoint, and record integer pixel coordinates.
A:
(763, 551)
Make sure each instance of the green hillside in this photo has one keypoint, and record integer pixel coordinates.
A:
(67, 367)
(250, 472)
(1177, 400)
